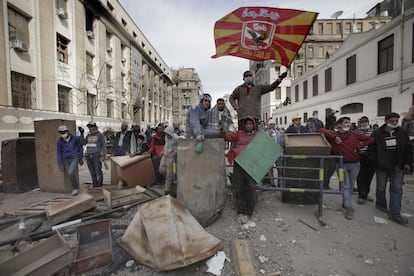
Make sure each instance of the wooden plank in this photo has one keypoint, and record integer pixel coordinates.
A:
(116, 198)
(40, 207)
(242, 258)
(61, 211)
(46, 258)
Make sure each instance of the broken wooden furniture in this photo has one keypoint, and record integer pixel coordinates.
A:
(165, 236)
(61, 211)
(132, 171)
(46, 258)
(94, 247)
(114, 198)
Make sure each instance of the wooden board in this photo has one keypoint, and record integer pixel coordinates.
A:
(61, 211)
(46, 258)
(40, 207)
(116, 198)
(97, 192)
(242, 258)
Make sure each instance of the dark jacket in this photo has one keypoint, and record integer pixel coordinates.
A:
(293, 129)
(126, 143)
(69, 149)
(378, 152)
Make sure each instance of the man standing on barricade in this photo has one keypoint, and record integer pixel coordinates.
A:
(346, 143)
(218, 117)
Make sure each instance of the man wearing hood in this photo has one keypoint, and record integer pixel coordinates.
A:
(69, 154)
(218, 117)
(197, 118)
(244, 184)
(246, 98)
(392, 155)
(168, 155)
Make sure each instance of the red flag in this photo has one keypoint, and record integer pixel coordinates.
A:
(262, 33)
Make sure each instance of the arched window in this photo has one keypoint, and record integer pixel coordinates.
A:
(384, 106)
(352, 108)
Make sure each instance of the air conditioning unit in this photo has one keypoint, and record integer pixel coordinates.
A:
(109, 49)
(19, 45)
(61, 13)
(90, 34)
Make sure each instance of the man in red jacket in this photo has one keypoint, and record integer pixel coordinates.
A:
(244, 184)
(346, 142)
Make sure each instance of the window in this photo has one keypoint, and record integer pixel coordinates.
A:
(108, 39)
(352, 108)
(358, 27)
(124, 111)
(18, 27)
(329, 28)
(328, 79)
(315, 85)
(285, 120)
(305, 89)
(288, 92)
(300, 70)
(276, 121)
(123, 22)
(61, 4)
(310, 52)
(351, 70)
(320, 28)
(296, 93)
(338, 28)
(384, 106)
(300, 54)
(123, 84)
(348, 28)
(386, 54)
(89, 64)
(62, 49)
(108, 75)
(110, 7)
(109, 108)
(278, 93)
(21, 86)
(321, 52)
(305, 116)
(63, 99)
(91, 104)
(89, 19)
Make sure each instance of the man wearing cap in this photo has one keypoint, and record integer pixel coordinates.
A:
(95, 153)
(367, 169)
(392, 156)
(296, 126)
(69, 154)
(197, 118)
(246, 98)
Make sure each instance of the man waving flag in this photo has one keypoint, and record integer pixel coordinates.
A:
(262, 33)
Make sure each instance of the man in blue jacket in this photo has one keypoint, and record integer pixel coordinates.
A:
(197, 119)
(69, 154)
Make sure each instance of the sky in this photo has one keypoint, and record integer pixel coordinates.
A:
(182, 32)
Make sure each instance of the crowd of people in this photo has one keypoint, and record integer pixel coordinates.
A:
(384, 151)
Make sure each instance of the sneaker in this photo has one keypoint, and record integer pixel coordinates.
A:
(349, 213)
(361, 201)
(381, 208)
(75, 192)
(399, 219)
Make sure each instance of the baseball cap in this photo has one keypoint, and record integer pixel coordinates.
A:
(91, 124)
(62, 128)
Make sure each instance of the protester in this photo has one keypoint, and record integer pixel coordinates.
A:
(246, 98)
(219, 117)
(330, 118)
(124, 142)
(367, 169)
(148, 134)
(197, 118)
(243, 183)
(346, 142)
(95, 152)
(156, 148)
(167, 160)
(141, 147)
(296, 126)
(69, 154)
(314, 124)
(392, 155)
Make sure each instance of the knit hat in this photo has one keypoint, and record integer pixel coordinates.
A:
(271, 122)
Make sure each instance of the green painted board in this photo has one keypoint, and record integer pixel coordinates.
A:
(259, 156)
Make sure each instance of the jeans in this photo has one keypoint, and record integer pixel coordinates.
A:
(95, 169)
(351, 171)
(245, 190)
(70, 166)
(396, 177)
(366, 173)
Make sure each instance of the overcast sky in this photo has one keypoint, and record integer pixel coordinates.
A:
(182, 32)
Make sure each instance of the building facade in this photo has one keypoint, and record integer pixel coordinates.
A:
(371, 74)
(79, 60)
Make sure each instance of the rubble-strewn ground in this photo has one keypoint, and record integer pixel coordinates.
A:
(286, 239)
